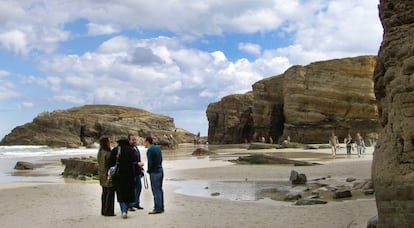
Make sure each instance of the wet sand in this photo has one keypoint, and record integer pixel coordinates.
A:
(77, 204)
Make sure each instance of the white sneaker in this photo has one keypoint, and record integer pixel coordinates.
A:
(124, 215)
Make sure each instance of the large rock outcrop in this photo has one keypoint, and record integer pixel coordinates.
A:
(306, 103)
(230, 119)
(83, 126)
(268, 106)
(393, 165)
(335, 95)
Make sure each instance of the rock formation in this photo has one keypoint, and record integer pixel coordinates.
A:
(305, 103)
(82, 126)
(229, 120)
(393, 165)
(80, 166)
(268, 108)
(335, 95)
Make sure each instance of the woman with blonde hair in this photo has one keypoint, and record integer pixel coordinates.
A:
(108, 192)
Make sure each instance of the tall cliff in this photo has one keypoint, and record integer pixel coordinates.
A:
(230, 119)
(335, 95)
(393, 164)
(268, 117)
(307, 103)
(82, 126)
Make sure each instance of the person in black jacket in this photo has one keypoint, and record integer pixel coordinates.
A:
(124, 182)
(139, 173)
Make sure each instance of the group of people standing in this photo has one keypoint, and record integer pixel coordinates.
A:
(127, 185)
(349, 142)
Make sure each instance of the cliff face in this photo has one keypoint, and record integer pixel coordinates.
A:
(393, 164)
(82, 126)
(268, 117)
(335, 95)
(230, 119)
(307, 103)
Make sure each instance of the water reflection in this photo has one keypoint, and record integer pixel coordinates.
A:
(254, 190)
(229, 190)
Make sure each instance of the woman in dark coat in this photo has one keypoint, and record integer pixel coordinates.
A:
(124, 181)
(108, 192)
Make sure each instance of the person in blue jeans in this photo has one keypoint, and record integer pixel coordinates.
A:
(156, 173)
(359, 141)
(124, 182)
(138, 172)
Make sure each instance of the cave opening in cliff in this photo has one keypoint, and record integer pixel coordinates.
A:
(277, 122)
(247, 130)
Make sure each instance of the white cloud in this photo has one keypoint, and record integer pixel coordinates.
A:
(26, 104)
(14, 41)
(73, 99)
(4, 73)
(184, 76)
(250, 48)
(97, 29)
(8, 90)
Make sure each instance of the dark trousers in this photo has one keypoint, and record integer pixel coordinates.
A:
(137, 191)
(348, 149)
(107, 200)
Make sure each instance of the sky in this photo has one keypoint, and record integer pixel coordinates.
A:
(170, 57)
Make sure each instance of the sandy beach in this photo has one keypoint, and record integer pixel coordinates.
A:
(189, 182)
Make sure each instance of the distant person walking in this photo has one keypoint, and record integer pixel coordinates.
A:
(348, 142)
(108, 191)
(334, 143)
(156, 172)
(360, 144)
(125, 181)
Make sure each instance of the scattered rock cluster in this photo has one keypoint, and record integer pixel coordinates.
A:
(320, 190)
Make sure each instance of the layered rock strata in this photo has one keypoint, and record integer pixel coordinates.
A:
(268, 106)
(230, 119)
(305, 104)
(83, 126)
(393, 165)
(335, 95)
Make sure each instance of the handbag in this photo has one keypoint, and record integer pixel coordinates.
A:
(145, 180)
(113, 171)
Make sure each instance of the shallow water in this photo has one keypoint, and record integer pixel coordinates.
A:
(229, 190)
(252, 190)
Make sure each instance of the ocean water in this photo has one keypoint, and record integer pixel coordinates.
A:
(47, 158)
(41, 151)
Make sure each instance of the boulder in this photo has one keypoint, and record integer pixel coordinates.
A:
(260, 146)
(267, 159)
(373, 222)
(80, 166)
(292, 196)
(339, 194)
(202, 152)
(310, 202)
(21, 165)
(297, 178)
